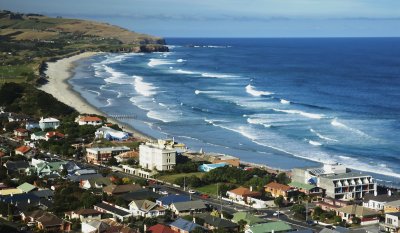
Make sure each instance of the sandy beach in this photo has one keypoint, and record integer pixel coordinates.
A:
(58, 73)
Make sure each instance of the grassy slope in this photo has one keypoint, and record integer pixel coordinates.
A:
(26, 41)
(172, 178)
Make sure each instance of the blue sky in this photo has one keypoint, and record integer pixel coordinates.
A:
(231, 18)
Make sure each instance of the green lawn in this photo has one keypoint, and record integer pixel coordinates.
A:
(210, 189)
(172, 178)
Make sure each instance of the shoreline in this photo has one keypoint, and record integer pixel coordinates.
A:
(59, 72)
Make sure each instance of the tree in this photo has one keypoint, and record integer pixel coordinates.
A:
(242, 223)
(112, 162)
(356, 220)
(282, 178)
(298, 209)
(337, 219)
(279, 201)
(150, 222)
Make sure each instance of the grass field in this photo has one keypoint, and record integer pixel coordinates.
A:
(210, 189)
(172, 178)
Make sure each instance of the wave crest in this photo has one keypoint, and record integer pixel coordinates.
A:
(252, 91)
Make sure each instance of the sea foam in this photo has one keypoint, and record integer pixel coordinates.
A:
(305, 114)
(144, 88)
(252, 91)
(156, 62)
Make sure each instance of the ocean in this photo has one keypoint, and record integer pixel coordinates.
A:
(280, 102)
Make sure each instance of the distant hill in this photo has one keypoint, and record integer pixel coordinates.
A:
(27, 41)
(38, 27)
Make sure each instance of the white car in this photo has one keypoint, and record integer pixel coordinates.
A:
(191, 191)
(278, 213)
(164, 192)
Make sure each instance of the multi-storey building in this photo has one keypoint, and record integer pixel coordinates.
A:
(156, 157)
(337, 180)
(392, 223)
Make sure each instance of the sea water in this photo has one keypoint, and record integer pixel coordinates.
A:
(281, 102)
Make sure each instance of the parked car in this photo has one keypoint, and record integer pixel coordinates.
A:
(204, 196)
(191, 191)
(311, 223)
(277, 213)
(163, 192)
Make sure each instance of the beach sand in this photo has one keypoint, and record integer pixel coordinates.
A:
(58, 74)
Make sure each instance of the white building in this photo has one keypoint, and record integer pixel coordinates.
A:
(156, 157)
(47, 123)
(377, 202)
(146, 208)
(392, 222)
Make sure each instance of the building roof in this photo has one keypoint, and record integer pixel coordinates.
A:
(76, 178)
(185, 225)
(48, 220)
(10, 191)
(89, 118)
(54, 134)
(393, 203)
(119, 189)
(99, 181)
(160, 228)
(380, 198)
(345, 175)
(48, 120)
(87, 212)
(106, 149)
(26, 187)
(242, 191)
(189, 205)
(394, 214)
(144, 205)
(275, 185)
(21, 130)
(35, 214)
(270, 227)
(140, 195)
(23, 149)
(44, 193)
(249, 218)
(217, 222)
(301, 185)
(357, 210)
(15, 165)
(168, 200)
(112, 209)
(98, 225)
(39, 134)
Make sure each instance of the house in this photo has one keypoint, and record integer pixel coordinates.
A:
(40, 135)
(393, 206)
(53, 135)
(16, 167)
(13, 117)
(46, 221)
(208, 167)
(44, 194)
(241, 194)
(22, 150)
(116, 211)
(170, 199)
(316, 193)
(152, 156)
(84, 215)
(270, 227)
(49, 123)
(111, 134)
(160, 228)
(89, 120)
(95, 183)
(102, 155)
(247, 217)
(145, 208)
(367, 216)
(377, 202)
(21, 133)
(45, 168)
(22, 201)
(31, 125)
(114, 189)
(337, 181)
(329, 204)
(79, 178)
(94, 226)
(188, 207)
(183, 226)
(216, 223)
(276, 190)
(392, 223)
(26, 187)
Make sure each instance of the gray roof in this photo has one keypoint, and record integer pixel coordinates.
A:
(185, 225)
(393, 203)
(190, 205)
(45, 193)
(112, 209)
(75, 178)
(395, 214)
(105, 149)
(381, 198)
(217, 222)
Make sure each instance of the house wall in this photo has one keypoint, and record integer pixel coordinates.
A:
(151, 157)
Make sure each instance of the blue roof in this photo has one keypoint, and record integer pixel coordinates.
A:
(168, 200)
(184, 225)
(209, 167)
(24, 197)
